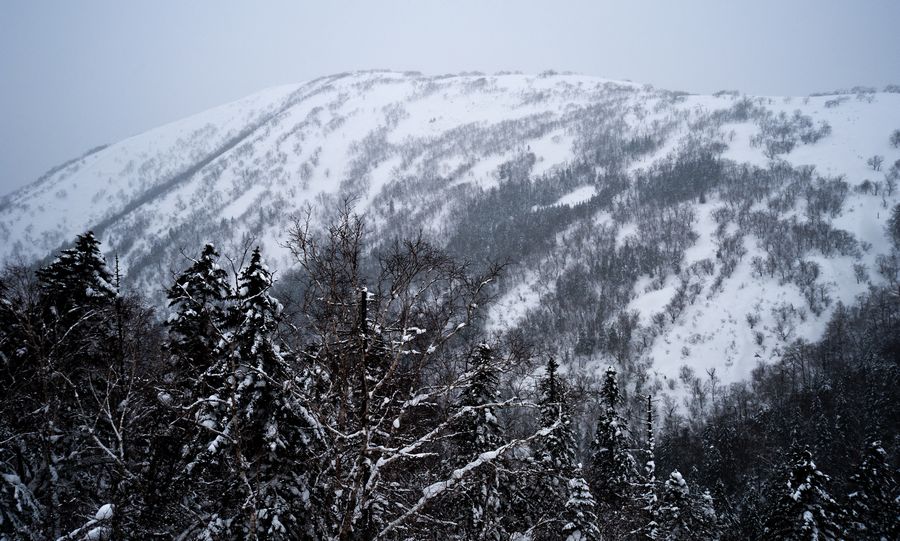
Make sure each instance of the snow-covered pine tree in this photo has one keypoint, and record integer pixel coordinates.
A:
(480, 430)
(799, 506)
(78, 295)
(874, 504)
(609, 392)
(80, 319)
(196, 327)
(580, 518)
(682, 515)
(555, 458)
(197, 300)
(675, 509)
(76, 421)
(557, 452)
(612, 471)
(79, 365)
(706, 517)
(78, 279)
(257, 431)
(476, 504)
(649, 529)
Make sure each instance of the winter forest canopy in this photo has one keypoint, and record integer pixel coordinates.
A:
(358, 398)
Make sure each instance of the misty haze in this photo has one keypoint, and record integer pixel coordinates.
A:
(470, 271)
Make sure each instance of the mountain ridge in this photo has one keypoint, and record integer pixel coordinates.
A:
(584, 174)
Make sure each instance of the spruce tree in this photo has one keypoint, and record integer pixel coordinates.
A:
(80, 378)
(478, 501)
(80, 312)
(78, 279)
(257, 435)
(649, 498)
(198, 317)
(87, 400)
(874, 504)
(674, 510)
(579, 517)
(800, 507)
(682, 515)
(556, 456)
(611, 471)
(479, 428)
(557, 453)
(196, 328)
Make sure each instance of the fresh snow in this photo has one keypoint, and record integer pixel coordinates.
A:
(105, 512)
(576, 196)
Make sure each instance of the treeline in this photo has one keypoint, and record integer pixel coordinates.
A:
(834, 401)
(369, 406)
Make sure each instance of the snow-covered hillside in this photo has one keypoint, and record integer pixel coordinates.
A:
(645, 226)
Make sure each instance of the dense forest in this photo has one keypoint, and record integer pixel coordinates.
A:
(368, 404)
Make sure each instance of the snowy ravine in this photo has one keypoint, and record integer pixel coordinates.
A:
(419, 152)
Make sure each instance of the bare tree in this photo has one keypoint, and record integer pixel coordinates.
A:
(875, 162)
(895, 139)
(387, 353)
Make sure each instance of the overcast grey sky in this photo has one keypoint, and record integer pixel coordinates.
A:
(74, 75)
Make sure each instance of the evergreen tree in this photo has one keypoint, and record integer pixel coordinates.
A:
(800, 506)
(610, 390)
(612, 469)
(556, 456)
(78, 295)
(77, 418)
(579, 517)
(78, 279)
(478, 432)
(557, 453)
(260, 431)
(707, 520)
(681, 515)
(674, 511)
(197, 327)
(80, 312)
(81, 377)
(649, 498)
(479, 428)
(874, 504)
(197, 302)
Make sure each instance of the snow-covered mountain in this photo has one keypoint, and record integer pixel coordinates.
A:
(646, 227)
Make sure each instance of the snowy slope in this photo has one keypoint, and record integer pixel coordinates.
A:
(416, 151)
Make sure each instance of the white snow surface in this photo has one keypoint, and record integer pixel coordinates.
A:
(105, 512)
(576, 196)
